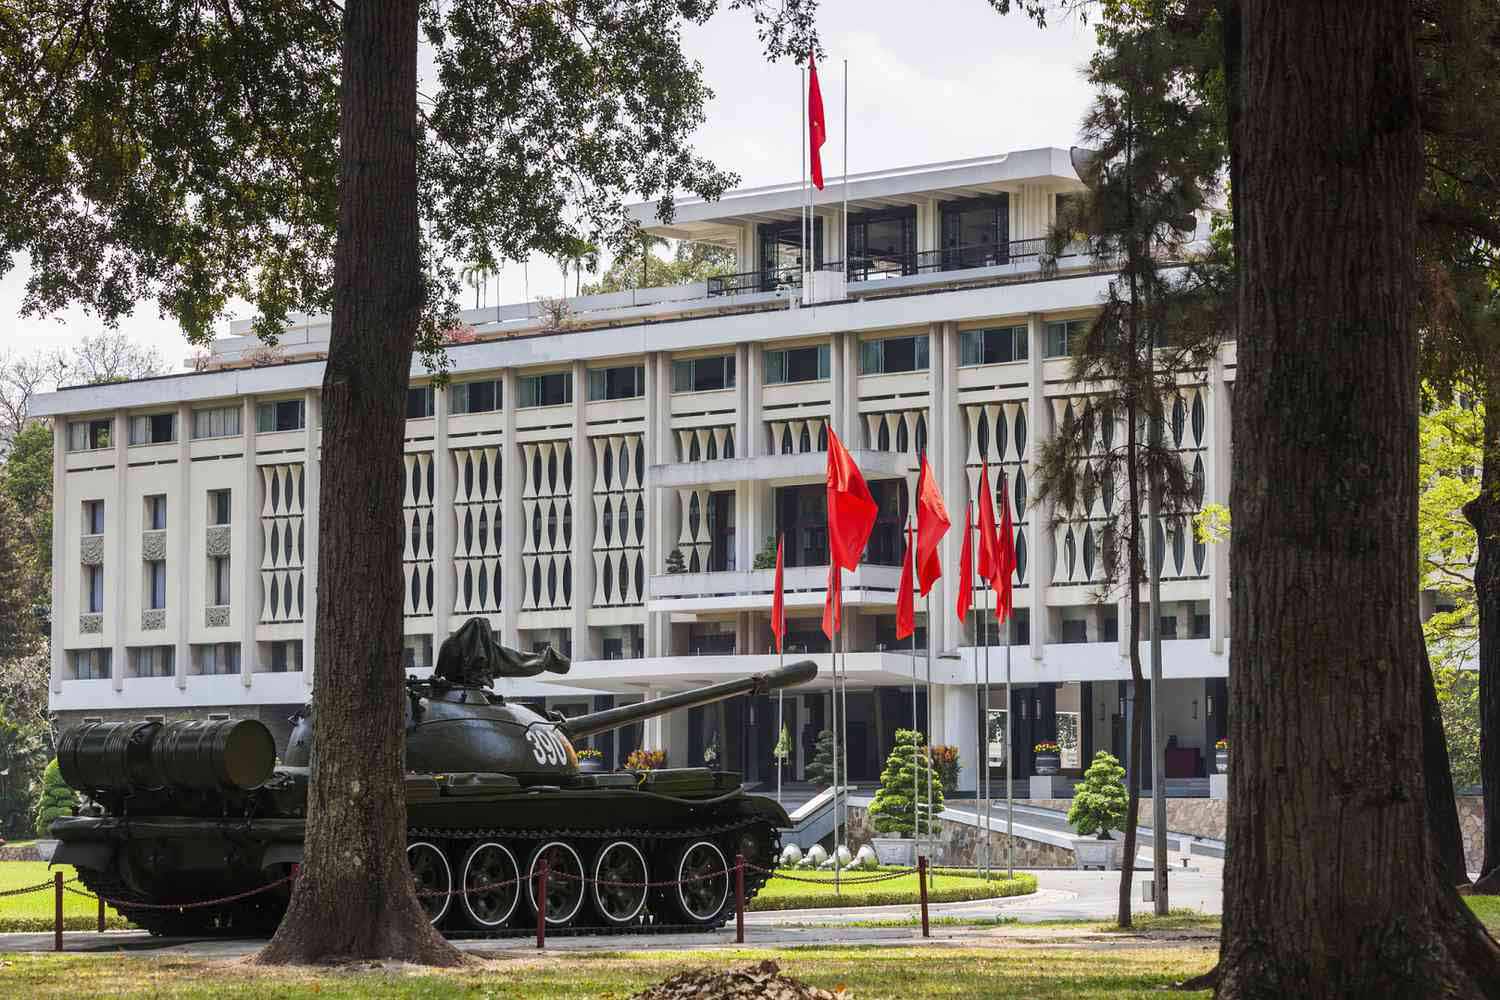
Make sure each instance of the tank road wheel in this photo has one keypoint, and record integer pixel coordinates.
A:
(564, 894)
(620, 861)
(488, 901)
(703, 877)
(431, 873)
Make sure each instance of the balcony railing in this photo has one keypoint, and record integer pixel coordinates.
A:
(877, 266)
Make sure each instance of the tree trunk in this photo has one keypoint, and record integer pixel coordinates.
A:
(1442, 808)
(1483, 513)
(355, 897)
(1137, 680)
(1331, 888)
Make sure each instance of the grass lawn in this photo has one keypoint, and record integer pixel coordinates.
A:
(34, 910)
(1487, 909)
(868, 973)
(943, 887)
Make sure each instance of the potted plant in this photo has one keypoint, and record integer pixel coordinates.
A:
(901, 806)
(1099, 806)
(711, 752)
(1048, 757)
(645, 760)
(945, 763)
(1221, 756)
(590, 761)
(782, 751)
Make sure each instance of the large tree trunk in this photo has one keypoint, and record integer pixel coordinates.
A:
(355, 898)
(1331, 888)
(1442, 807)
(1137, 680)
(1483, 513)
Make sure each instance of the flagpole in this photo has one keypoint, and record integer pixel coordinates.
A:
(989, 781)
(916, 775)
(838, 635)
(1010, 805)
(846, 214)
(802, 208)
(930, 811)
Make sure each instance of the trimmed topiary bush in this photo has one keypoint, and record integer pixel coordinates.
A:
(901, 804)
(1100, 802)
(819, 770)
(57, 799)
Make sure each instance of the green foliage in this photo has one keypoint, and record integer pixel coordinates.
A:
(1451, 452)
(766, 557)
(675, 562)
(1100, 803)
(782, 751)
(639, 266)
(1211, 525)
(819, 770)
(901, 804)
(57, 799)
(946, 760)
(1458, 701)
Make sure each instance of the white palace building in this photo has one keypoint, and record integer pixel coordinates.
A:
(607, 487)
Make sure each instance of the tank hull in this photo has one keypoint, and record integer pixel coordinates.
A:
(461, 835)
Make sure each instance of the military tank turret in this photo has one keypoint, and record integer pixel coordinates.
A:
(187, 811)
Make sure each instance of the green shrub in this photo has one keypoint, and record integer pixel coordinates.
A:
(901, 805)
(1099, 803)
(57, 799)
(819, 770)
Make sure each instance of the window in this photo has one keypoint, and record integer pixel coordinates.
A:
(93, 517)
(286, 657)
(88, 435)
(155, 428)
(703, 374)
(1073, 630)
(1169, 626)
(152, 661)
(218, 507)
(626, 382)
(614, 648)
(797, 364)
(220, 421)
(545, 390)
(90, 664)
(893, 354)
(473, 397)
(992, 347)
(883, 243)
(781, 261)
(218, 581)
(419, 402)
(156, 512)
(93, 582)
(284, 415)
(218, 658)
(1064, 337)
(976, 232)
(416, 652)
(156, 584)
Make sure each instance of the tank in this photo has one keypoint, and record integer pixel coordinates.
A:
(180, 812)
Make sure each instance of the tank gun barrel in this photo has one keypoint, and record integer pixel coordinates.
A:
(613, 718)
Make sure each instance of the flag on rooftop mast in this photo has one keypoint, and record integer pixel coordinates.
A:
(817, 125)
(932, 525)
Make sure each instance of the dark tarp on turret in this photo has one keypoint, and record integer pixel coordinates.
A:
(472, 655)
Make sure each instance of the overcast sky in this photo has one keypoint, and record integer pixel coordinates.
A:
(928, 81)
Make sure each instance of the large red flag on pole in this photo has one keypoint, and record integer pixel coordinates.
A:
(1005, 555)
(778, 600)
(832, 603)
(851, 509)
(817, 127)
(906, 611)
(932, 525)
(989, 539)
(966, 568)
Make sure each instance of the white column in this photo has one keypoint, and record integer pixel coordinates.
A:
(658, 445)
(119, 528)
(180, 546)
(583, 516)
(62, 514)
(961, 729)
(512, 530)
(751, 377)
(941, 403)
(248, 507)
(1039, 541)
(837, 383)
(311, 502)
(443, 528)
(1216, 468)
(653, 729)
(949, 463)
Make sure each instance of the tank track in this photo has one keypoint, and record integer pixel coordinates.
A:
(754, 880)
(256, 916)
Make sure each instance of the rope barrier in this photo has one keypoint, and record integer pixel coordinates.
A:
(34, 888)
(117, 903)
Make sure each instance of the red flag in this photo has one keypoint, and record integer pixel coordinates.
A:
(966, 568)
(832, 603)
(906, 611)
(1005, 555)
(817, 127)
(932, 525)
(851, 509)
(778, 602)
(989, 541)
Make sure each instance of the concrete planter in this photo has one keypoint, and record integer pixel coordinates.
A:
(590, 765)
(1091, 852)
(895, 850)
(1048, 763)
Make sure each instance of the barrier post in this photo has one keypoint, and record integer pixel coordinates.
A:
(541, 904)
(922, 888)
(739, 899)
(101, 914)
(57, 911)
